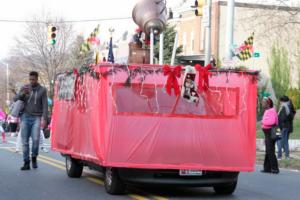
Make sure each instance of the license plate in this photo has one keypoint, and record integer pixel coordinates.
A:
(188, 172)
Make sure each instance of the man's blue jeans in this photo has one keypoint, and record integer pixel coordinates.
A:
(30, 127)
(284, 143)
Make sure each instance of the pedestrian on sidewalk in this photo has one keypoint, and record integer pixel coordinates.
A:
(286, 116)
(33, 118)
(2, 132)
(269, 120)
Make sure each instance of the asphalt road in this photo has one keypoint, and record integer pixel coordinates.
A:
(50, 182)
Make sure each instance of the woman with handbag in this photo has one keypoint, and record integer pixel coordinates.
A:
(270, 119)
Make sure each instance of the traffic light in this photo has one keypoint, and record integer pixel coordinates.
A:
(199, 7)
(52, 35)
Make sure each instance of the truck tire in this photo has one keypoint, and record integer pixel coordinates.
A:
(73, 167)
(112, 182)
(226, 189)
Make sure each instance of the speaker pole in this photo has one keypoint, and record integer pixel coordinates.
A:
(161, 49)
(151, 47)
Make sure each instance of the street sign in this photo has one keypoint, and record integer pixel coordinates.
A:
(206, 16)
(256, 54)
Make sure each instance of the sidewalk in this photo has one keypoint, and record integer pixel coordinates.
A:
(293, 163)
(293, 144)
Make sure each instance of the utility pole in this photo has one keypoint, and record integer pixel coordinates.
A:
(229, 29)
(207, 24)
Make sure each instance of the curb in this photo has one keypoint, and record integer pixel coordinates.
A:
(293, 144)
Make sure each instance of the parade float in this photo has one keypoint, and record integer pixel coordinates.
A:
(158, 124)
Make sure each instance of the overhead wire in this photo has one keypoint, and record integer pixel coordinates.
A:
(65, 21)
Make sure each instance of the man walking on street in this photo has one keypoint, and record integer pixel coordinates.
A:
(33, 117)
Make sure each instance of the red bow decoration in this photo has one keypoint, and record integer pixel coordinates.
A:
(172, 82)
(203, 82)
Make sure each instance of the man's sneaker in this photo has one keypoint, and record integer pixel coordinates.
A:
(26, 166)
(279, 158)
(34, 163)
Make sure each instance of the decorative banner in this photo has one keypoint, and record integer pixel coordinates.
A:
(189, 89)
(172, 82)
(66, 86)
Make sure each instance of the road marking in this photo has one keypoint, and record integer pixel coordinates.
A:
(5, 147)
(160, 198)
(137, 197)
(153, 196)
(95, 180)
(61, 165)
(51, 163)
(44, 145)
(53, 160)
(42, 160)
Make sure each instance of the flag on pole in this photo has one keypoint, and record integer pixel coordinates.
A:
(91, 40)
(110, 57)
(85, 47)
(246, 50)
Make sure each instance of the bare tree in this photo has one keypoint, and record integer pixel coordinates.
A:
(278, 22)
(32, 52)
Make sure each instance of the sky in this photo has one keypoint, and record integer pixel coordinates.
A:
(71, 10)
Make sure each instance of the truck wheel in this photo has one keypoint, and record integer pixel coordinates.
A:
(73, 167)
(112, 182)
(226, 189)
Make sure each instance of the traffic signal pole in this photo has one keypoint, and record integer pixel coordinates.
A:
(229, 29)
(208, 34)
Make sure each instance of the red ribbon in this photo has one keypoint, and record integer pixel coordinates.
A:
(203, 82)
(172, 82)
